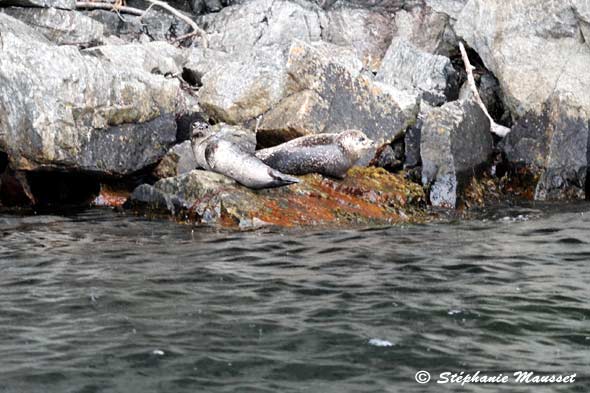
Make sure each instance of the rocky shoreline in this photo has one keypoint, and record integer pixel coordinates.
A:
(98, 103)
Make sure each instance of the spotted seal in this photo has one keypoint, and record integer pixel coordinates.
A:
(328, 154)
(215, 154)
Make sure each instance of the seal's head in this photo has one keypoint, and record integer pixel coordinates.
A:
(355, 143)
(200, 129)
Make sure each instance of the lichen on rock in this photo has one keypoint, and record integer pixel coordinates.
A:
(367, 196)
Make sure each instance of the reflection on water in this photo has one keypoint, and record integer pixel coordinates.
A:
(105, 303)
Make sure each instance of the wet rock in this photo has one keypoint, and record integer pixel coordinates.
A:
(455, 142)
(323, 97)
(553, 148)
(407, 67)
(427, 30)
(263, 23)
(146, 196)
(57, 114)
(535, 50)
(62, 4)
(60, 26)
(366, 196)
(367, 32)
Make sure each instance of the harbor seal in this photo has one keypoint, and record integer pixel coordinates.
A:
(218, 155)
(328, 154)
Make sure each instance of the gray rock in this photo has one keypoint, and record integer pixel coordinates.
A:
(193, 190)
(62, 4)
(342, 55)
(179, 160)
(147, 196)
(367, 32)
(455, 141)
(535, 49)
(427, 30)
(323, 96)
(60, 26)
(129, 30)
(383, 6)
(510, 40)
(242, 89)
(406, 67)
(263, 23)
(126, 148)
(200, 61)
(553, 146)
(163, 26)
(452, 8)
(194, 185)
(301, 113)
(63, 109)
(157, 57)
(412, 138)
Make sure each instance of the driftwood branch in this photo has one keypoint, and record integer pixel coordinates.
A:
(494, 127)
(135, 11)
(184, 18)
(91, 5)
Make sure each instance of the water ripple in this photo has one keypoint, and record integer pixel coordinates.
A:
(105, 303)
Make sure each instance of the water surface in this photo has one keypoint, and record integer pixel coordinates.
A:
(100, 302)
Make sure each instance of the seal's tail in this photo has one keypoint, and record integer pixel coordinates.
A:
(280, 179)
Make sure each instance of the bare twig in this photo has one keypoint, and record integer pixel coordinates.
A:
(135, 11)
(146, 12)
(185, 36)
(184, 18)
(494, 127)
(91, 5)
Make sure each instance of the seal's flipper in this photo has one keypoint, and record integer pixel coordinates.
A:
(280, 179)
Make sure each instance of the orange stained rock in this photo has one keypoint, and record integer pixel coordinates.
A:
(366, 195)
(111, 197)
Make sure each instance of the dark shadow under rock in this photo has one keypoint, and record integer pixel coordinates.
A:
(58, 189)
(15, 190)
